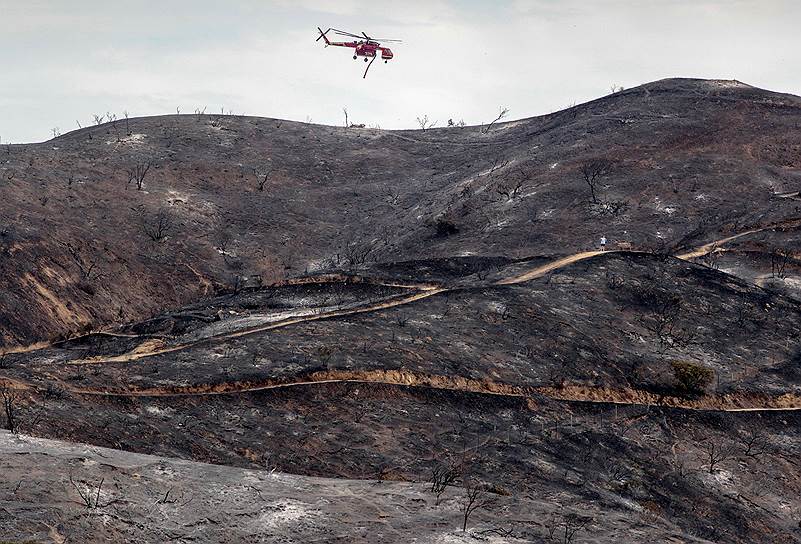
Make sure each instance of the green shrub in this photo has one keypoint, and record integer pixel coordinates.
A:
(691, 377)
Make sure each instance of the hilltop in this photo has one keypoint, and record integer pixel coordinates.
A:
(226, 197)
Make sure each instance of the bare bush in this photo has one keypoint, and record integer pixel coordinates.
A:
(711, 258)
(157, 227)
(510, 189)
(754, 445)
(86, 265)
(442, 477)
(262, 175)
(663, 319)
(90, 497)
(137, 173)
(425, 124)
(564, 528)
(353, 255)
(778, 263)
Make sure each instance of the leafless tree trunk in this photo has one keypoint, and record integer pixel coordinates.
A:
(261, 178)
(778, 263)
(716, 454)
(593, 171)
(138, 172)
(10, 398)
(85, 266)
(474, 499)
(501, 114)
(663, 321)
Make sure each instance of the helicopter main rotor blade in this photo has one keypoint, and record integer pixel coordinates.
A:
(343, 33)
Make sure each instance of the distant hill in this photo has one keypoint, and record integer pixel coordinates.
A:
(681, 161)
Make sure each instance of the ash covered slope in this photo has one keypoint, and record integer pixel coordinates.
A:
(75, 492)
(82, 247)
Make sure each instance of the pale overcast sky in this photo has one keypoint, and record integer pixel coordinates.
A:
(64, 60)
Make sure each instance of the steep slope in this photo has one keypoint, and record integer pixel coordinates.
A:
(230, 197)
(144, 498)
(546, 383)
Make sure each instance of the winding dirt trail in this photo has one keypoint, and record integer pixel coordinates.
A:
(151, 348)
(550, 267)
(712, 246)
(424, 290)
(739, 403)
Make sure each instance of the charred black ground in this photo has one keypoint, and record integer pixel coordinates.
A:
(378, 305)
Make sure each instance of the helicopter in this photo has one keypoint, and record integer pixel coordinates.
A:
(366, 47)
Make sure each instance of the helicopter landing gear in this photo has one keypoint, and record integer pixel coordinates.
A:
(386, 61)
(365, 59)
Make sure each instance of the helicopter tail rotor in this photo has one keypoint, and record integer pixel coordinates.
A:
(323, 36)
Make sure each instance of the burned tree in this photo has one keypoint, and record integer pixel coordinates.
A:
(565, 528)
(157, 227)
(425, 124)
(10, 398)
(475, 498)
(137, 173)
(501, 114)
(593, 171)
(86, 265)
(778, 263)
(716, 454)
(262, 176)
(509, 189)
(663, 319)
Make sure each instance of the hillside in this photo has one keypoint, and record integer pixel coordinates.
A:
(335, 318)
(690, 161)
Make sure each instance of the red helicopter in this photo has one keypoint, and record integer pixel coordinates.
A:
(366, 47)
